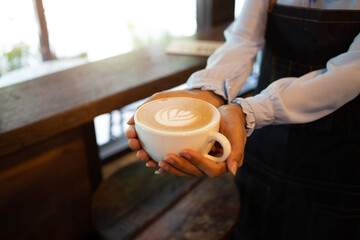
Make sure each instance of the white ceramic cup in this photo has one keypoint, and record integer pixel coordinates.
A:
(159, 143)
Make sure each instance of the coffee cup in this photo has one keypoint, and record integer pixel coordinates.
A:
(171, 125)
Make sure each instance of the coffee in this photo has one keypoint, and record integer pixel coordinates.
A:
(173, 124)
(177, 115)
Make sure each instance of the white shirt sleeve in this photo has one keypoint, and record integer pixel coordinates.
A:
(287, 100)
(309, 97)
(229, 67)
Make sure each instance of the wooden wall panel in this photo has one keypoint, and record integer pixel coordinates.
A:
(45, 191)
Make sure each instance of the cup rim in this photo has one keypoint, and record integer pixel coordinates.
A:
(162, 132)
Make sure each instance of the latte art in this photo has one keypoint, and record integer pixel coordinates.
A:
(175, 117)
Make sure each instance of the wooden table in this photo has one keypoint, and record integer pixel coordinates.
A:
(49, 164)
(134, 203)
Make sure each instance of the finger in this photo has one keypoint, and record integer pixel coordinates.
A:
(232, 125)
(183, 165)
(232, 164)
(142, 155)
(151, 163)
(210, 168)
(236, 156)
(161, 171)
(131, 121)
(131, 132)
(168, 168)
(134, 144)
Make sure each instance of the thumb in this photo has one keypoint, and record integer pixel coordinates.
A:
(233, 127)
(235, 158)
(237, 142)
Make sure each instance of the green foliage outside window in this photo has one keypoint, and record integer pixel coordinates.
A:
(15, 58)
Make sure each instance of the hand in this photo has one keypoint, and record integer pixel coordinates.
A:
(193, 164)
(134, 143)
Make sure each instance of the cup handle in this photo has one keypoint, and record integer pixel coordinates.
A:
(225, 144)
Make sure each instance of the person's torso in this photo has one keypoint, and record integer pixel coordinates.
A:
(299, 40)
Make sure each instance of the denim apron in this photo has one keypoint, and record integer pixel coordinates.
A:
(302, 181)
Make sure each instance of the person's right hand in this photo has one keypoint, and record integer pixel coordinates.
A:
(192, 164)
(134, 142)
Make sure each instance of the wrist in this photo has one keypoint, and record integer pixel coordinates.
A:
(239, 111)
(249, 114)
(235, 111)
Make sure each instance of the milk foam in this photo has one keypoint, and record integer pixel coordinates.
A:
(173, 117)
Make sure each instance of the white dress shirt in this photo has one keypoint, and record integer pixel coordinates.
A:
(288, 100)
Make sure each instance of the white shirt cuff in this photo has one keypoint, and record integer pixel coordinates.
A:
(250, 116)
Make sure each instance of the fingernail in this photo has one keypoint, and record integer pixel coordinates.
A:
(157, 172)
(162, 165)
(233, 167)
(147, 164)
(186, 155)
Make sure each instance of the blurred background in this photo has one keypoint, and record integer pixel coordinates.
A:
(39, 37)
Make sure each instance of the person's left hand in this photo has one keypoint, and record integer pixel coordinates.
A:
(134, 142)
(192, 164)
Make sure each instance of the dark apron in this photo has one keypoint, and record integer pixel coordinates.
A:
(302, 181)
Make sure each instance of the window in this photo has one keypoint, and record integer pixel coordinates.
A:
(104, 28)
(81, 31)
(19, 41)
